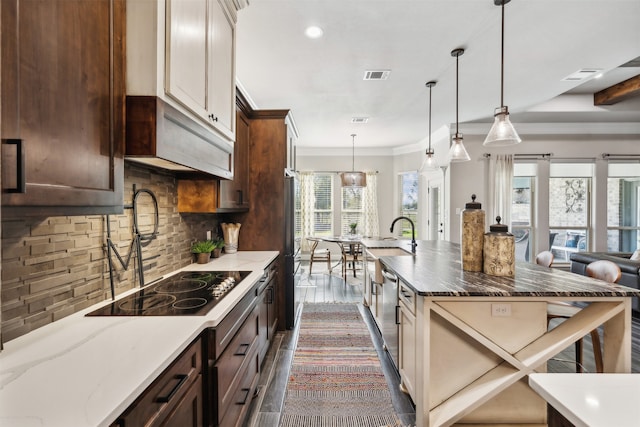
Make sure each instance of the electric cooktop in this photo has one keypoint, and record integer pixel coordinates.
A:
(186, 293)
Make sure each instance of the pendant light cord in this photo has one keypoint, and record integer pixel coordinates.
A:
(457, 58)
(353, 151)
(502, 61)
(430, 86)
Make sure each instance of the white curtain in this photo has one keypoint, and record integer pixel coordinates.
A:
(370, 226)
(307, 203)
(502, 175)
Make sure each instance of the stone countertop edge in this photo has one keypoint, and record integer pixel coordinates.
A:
(85, 371)
(436, 270)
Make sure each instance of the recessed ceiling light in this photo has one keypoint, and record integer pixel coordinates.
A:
(359, 119)
(313, 32)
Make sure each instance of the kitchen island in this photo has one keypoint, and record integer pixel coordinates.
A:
(472, 339)
(85, 371)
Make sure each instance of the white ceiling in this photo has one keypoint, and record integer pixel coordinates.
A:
(321, 80)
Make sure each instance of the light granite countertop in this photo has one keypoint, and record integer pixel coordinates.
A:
(436, 270)
(85, 371)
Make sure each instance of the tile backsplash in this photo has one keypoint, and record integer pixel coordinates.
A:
(53, 267)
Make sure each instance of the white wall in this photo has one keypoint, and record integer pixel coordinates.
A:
(343, 162)
(463, 179)
(472, 177)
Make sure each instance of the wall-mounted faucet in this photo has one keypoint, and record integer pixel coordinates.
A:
(413, 231)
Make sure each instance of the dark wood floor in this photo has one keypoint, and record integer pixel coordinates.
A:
(324, 287)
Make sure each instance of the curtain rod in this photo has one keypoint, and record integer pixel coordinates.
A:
(608, 156)
(529, 156)
(315, 171)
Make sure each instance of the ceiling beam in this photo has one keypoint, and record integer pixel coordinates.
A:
(619, 92)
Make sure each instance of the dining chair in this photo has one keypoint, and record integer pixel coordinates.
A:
(604, 270)
(318, 254)
(351, 258)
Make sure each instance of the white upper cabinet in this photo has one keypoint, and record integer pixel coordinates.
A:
(200, 60)
(184, 52)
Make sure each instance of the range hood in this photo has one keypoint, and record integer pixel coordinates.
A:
(159, 135)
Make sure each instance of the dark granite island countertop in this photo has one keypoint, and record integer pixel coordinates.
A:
(436, 270)
(468, 341)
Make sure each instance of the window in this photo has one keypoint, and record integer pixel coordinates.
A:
(351, 209)
(623, 213)
(323, 205)
(569, 208)
(522, 214)
(409, 203)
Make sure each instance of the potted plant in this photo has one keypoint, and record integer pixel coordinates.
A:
(202, 249)
(352, 227)
(218, 245)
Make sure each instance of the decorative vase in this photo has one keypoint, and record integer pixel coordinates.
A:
(472, 235)
(230, 232)
(203, 257)
(499, 251)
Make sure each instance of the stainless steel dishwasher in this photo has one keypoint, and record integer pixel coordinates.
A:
(390, 314)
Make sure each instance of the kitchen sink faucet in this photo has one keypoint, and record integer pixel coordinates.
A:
(413, 232)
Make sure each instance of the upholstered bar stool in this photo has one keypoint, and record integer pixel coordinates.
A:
(603, 270)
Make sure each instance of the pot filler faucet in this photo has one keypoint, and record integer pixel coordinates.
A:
(413, 232)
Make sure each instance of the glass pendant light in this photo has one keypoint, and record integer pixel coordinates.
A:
(429, 163)
(353, 178)
(502, 132)
(457, 152)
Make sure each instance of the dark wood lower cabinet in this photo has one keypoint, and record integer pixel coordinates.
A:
(175, 398)
(213, 381)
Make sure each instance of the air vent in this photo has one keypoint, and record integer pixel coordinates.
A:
(583, 74)
(376, 74)
(359, 119)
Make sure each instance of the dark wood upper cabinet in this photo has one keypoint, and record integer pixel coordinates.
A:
(62, 104)
(234, 194)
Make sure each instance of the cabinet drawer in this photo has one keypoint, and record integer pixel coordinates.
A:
(165, 394)
(407, 297)
(221, 335)
(188, 413)
(229, 369)
(243, 391)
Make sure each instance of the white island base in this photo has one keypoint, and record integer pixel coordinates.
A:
(475, 353)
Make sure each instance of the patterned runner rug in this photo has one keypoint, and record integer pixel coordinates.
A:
(336, 379)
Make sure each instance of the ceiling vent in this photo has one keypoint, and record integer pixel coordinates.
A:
(582, 74)
(359, 119)
(376, 74)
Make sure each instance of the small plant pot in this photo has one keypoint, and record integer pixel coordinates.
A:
(203, 258)
(216, 252)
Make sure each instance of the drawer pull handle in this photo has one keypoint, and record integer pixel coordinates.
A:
(397, 316)
(407, 295)
(165, 399)
(242, 350)
(246, 396)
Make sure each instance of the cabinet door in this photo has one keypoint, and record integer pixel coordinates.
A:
(234, 194)
(200, 63)
(188, 412)
(186, 62)
(62, 106)
(221, 88)
(407, 351)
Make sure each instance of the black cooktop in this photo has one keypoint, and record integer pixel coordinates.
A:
(186, 293)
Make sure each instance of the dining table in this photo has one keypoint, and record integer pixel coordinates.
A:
(347, 244)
